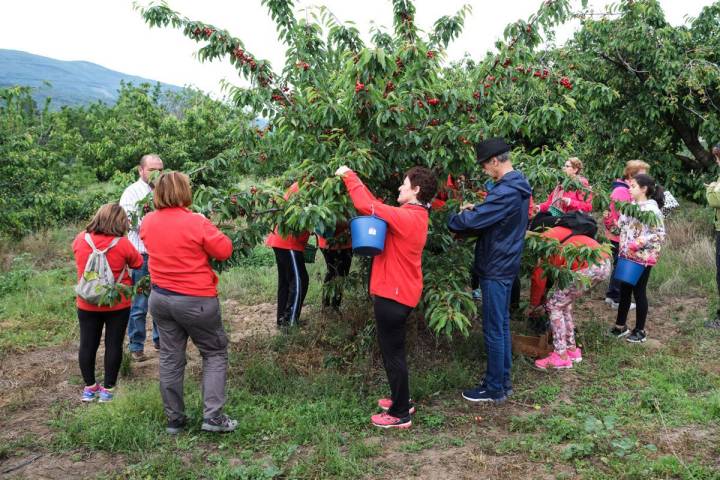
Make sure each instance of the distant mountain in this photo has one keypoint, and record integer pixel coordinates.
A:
(71, 83)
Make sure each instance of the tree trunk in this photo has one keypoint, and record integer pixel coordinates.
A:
(702, 158)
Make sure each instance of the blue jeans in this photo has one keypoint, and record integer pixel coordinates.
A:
(496, 330)
(138, 312)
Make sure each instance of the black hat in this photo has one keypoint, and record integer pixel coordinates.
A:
(490, 148)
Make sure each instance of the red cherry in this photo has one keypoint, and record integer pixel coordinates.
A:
(476, 95)
(430, 54)
(420, 104)
(359, 86)
(253, 190)
(233, 200)
(433, 101)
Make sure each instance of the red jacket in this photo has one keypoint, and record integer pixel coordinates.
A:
(538, 279)
(118, 257)
(579, 199)
(291, 242)
(397, 271)
(180, 244)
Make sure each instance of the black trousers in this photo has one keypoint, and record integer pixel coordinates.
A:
(391, 317)
(639, 291)
(613, 290)
(292, 285)
(338, 266)
(717, 266)
(91, 329)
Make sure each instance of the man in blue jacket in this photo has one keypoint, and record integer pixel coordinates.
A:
(500, 223)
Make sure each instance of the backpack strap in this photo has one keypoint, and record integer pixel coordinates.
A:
(89, 241)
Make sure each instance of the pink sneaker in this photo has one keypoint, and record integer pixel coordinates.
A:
(386, 403)
(383, 420)
(575, 355)
(553, 361)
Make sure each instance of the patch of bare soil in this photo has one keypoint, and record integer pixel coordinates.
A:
(666, 316)
(469, 461)
(248, 321)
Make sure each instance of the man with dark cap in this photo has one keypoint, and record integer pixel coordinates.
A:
(500, 223)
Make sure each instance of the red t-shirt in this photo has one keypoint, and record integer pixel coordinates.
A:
(291, 242)
(122, 254)
(180, 244)
(397, 271)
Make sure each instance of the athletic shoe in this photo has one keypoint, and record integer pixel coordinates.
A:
(138, 356)
(637, 336)
(386, 403)
(610, 301)
(575, 355)
(477, 294)
(221, 423)
(480, 394)
(713, 323)
(553, 361)
(105, 394)
(508, 387)
(619, 332)
(176, 426)
(90, 393)
(616, 305)
(384, 420)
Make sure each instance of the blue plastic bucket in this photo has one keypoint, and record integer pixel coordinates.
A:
(368, 235)
(628, 271)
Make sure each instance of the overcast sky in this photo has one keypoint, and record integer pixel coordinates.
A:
(112, 34)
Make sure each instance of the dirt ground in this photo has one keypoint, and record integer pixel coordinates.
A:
(33, 383)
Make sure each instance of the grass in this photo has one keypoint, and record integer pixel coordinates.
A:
(303, 400)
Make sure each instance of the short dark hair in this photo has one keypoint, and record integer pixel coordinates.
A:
(425, 179)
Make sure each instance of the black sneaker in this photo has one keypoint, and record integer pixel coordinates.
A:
(221, 423)
(619, 332)
(479, 394)
(713, 323)
(637, 336)
(175, 427)
(508, 387)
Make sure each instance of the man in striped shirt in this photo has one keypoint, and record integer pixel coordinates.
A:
(133, 200)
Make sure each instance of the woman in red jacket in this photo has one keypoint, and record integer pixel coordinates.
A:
(396, 279)
(571, 200)
(184, 300)
(560, 304)
(106, 231)
(293, 279)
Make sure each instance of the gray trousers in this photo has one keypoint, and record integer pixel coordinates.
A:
(179, 317)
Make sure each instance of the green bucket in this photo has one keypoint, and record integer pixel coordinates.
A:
(309, 253)
(555, 211)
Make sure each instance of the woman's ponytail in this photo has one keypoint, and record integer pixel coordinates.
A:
(654, 191)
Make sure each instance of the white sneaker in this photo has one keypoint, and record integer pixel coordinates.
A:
(609, 301)
(616, 305)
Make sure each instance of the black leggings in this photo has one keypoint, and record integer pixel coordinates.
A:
(338, 265)
(292, 285)
(639, 291)
(91, 329)
(390, 317)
